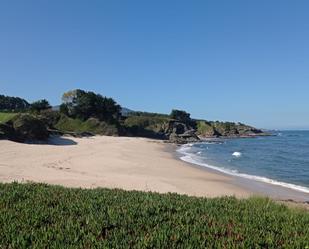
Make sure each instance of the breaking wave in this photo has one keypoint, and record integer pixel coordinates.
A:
(197, 159)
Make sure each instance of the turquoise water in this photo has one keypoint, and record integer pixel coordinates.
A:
(280, 160)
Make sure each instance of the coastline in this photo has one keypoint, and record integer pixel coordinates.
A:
(252, 183)
(128, 163)
(114, 162)
(278, 193)
(254, 187)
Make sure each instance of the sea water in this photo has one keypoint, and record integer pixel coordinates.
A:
(282, 159)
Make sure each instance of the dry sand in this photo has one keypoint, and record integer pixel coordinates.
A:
(113, 162)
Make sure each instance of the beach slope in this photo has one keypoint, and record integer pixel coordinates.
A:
(112, 162)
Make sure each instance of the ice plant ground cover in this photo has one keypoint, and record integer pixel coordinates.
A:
(41, 216)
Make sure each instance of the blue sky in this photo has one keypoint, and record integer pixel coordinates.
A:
(220, 60)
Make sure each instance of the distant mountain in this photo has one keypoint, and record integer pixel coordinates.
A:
(56, 108)
(125, 111)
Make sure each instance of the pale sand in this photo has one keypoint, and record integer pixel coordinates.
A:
(112, 162)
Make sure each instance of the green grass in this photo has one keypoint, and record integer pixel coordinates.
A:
(94, 126)
(4, 117)
(146, 121)
(42, 216)
(204, 127)
(148, 126)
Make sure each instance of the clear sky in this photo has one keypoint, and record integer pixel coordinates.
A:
(220, 60)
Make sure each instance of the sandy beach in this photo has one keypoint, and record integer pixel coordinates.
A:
(128, 163)
(112, 162)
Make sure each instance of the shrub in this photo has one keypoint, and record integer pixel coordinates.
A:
(181, 116)
(49, 117)
(206, 129)
(28, 127)
(92, 125)
(100, 127)
(39, 106)
(147, 126)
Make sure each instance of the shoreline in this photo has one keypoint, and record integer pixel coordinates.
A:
(275, 192)
(112, 162)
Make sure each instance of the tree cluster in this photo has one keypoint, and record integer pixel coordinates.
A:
(180, 115)
(39, 106)
(12, 103)
(84, 105)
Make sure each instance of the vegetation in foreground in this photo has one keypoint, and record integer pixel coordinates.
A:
(43, 216)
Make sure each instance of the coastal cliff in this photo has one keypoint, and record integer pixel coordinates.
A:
(87, 113)
(177, 129)
(207, 129)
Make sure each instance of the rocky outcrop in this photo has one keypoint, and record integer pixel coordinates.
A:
(186, 137)
(24, 127)
(28, 127)
(207, 129)
(181, 133)
(245, 130)
(7, 131)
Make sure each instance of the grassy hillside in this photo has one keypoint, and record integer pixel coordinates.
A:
(147, 125)
(4, 117)
(143, 124)
(225, 129)
(41, 216)
(66, 124)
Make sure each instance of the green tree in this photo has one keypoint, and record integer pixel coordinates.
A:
(180, 115)
(40, 105)
(84, 105)
(13, 103)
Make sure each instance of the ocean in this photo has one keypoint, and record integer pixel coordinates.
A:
(281, 160)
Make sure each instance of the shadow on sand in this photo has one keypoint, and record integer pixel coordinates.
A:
(61, 141)
(55, 140)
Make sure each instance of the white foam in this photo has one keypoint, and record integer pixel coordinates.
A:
(237, 154)
(191, 158)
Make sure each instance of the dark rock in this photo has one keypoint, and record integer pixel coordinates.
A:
(181, 133)
(179, 128)
(28, 127)
(176, 127)
(7, 131)
(183, 138)
(86, 134)
(226, 129)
